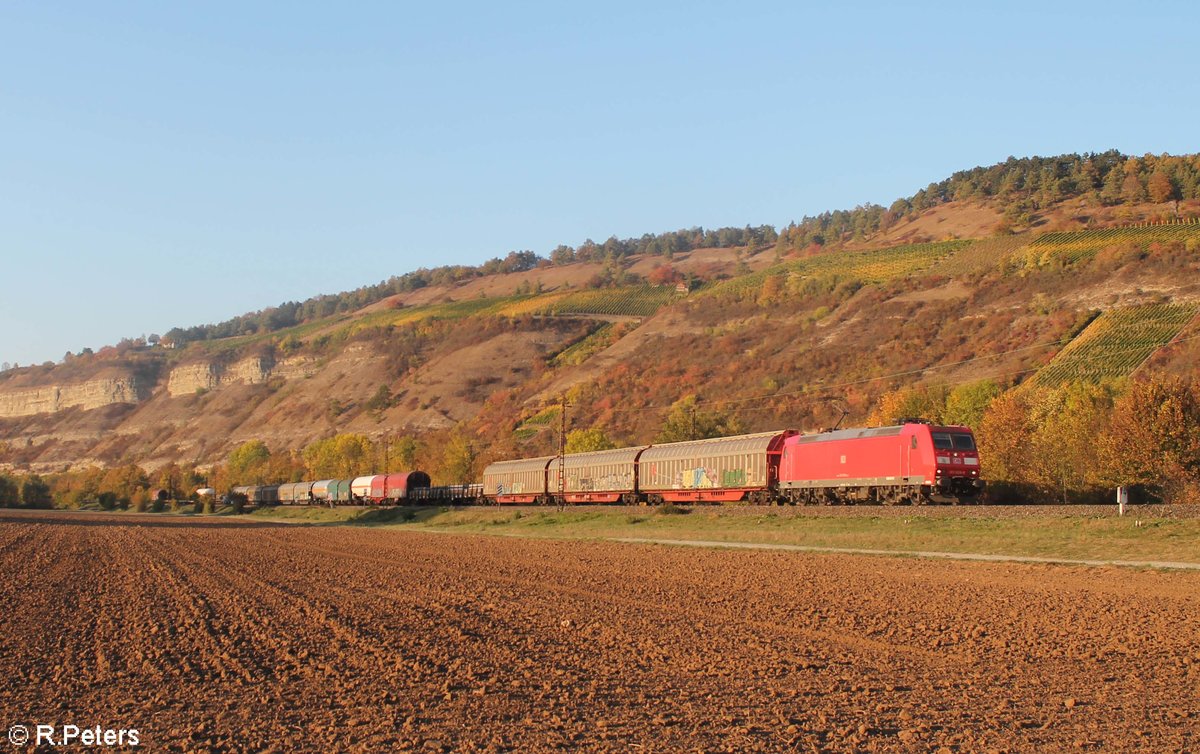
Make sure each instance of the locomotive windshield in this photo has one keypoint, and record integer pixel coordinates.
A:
(955, 441)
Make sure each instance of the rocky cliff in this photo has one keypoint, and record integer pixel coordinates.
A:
(49, 399)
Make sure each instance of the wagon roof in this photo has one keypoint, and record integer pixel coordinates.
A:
(849, 434)
(717, 446)
(523, 464)
(615, 455)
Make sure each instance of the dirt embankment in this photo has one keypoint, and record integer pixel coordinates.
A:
(240, 637)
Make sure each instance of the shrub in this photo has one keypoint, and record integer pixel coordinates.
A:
(671, 509)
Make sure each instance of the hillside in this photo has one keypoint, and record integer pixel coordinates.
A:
(769, 333)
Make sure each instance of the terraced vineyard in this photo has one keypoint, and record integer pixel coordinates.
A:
(1075, 246)
(981, 256)
(1116, 343)
(638, 301)
(450, 310)
(578, 353)
(871, 266)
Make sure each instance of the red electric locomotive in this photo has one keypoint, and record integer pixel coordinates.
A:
(914, 462)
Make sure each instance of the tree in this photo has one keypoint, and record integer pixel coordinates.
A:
(587, 440)
(458, 460)
(247, 462)
(1005, 439)
(1111, 192)
(772, 290)
(1132, 190)
(340, 456)
(686, 421)
(35, 493)
(967, 402)
(9, 494)
(404, 453)
(380, 401)
(664, 274)
(121, 482)
(923, 401)
(1161, 188)
(1067, 422)
(1153, 439)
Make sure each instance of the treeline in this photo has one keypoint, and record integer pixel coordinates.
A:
(449, 457)
(124, 486)
(24, 491)
(1075, 443)
(1018, 186)
(292, 313)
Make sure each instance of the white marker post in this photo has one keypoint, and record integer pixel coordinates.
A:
(1122, 500)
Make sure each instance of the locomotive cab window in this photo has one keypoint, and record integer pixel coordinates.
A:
(963, 442)
(942, 441)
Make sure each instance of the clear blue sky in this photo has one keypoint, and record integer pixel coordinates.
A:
(167, 164)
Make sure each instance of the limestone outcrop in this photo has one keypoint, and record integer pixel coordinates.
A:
(90, 394)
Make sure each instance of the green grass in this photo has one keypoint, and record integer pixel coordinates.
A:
(316, 514)
(1067, 537)
(1116, 343)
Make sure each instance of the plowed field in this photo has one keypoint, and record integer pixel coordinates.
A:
(259, 637)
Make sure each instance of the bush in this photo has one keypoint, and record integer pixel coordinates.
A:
(139, 501)
(671, 509)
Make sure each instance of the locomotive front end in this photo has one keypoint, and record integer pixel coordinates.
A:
(957, 472)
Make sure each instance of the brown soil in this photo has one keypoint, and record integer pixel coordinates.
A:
(253, 637)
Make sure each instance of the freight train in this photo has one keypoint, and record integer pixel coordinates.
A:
(911, 463)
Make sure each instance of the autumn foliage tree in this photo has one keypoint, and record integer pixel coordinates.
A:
(459, 459)
(1005, 450)
(1066, 423)
(588, 440)
(1154, 439)
(247, 463)
(922, 401)
(341, 456)
(687, 421)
